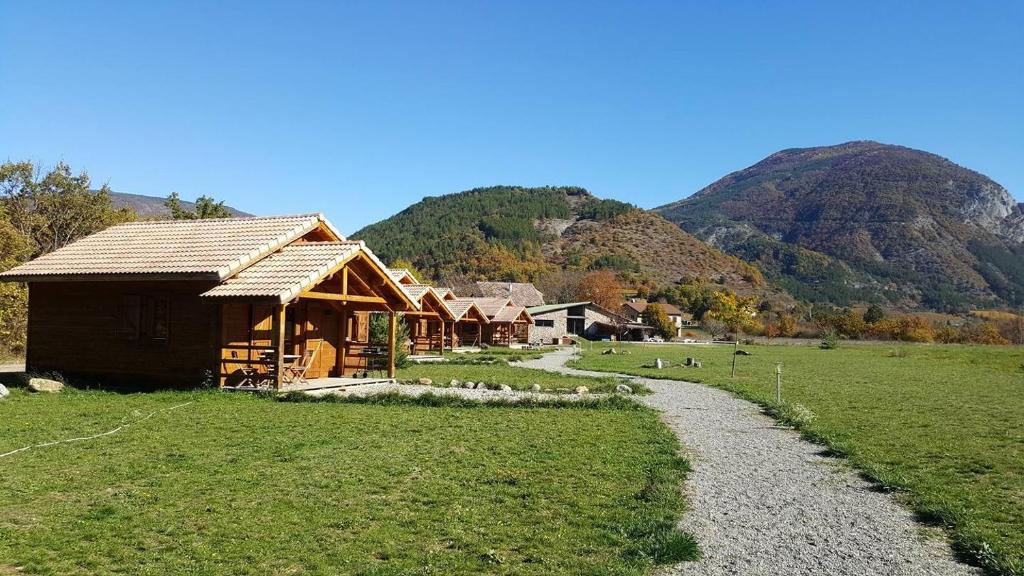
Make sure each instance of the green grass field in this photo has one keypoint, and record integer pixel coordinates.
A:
(502, 373)
(237, 484)
(945, 423)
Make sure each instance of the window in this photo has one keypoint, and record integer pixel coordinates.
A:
(544, 323)
(143, 318)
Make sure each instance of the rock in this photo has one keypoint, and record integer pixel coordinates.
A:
(481, 386)
(4, 392)
(742, 353)
(469, 385)
(455, 383)
(426, 382)
(623, 389)
(44, 385)
(609, 351)
(535, 388)
(658, 363)
(690, 361)
(697, 364)
(582, 390)
(506, 388)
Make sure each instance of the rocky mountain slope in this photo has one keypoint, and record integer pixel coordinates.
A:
(867, 221)
(514, 233)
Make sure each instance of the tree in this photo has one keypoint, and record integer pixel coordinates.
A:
(735, 311)
(58, 208)
(656, 317)
(559, 285)
(203, 208)
(874, 314)
(379, 336)
(787, 325)
(714, 327)
(40, 213)
(602, 287)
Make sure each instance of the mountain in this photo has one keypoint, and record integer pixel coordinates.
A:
(152, 207)
(520, 234)
(864, 221)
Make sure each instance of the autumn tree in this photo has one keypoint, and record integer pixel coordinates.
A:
(874, 314)
(656, 317)
(56, 208)
(787, 325)
(39, 213)
(203, 208)
(736, 312)
(714, 327)
(602, 287)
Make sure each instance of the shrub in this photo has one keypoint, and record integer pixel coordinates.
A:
(830, 340)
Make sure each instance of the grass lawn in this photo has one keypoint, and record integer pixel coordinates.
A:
(946, 423)
(502, 373)
(237, 484)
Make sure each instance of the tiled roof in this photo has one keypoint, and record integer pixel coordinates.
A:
(459, 308)
(511, 314)
(489, 306)
(522, 294)
(216, 248)
(399, 274)
(417, 291)
(444, 293)
(287, 273)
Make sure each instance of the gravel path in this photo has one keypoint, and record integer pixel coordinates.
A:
(765, 502)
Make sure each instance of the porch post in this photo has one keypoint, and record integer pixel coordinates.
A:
(278, 325)
(392, 332)
(443, 328)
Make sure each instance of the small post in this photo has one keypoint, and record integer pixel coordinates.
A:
(735, 349)
(778, 383)
(392, 343)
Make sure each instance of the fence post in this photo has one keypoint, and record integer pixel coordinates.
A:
(735, 349)
(778, 383)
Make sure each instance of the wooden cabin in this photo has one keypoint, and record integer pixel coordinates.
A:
(468, 321)
(231, 300)
(507, 324)
(429, 328)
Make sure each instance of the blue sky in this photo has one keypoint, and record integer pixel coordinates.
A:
(359, 109)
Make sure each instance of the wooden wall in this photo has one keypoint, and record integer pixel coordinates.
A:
(80, 330)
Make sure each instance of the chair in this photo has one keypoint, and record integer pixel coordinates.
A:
(296, 371)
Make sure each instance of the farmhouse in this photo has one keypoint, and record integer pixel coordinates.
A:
(555, 322)
(634, 310)
(245, 301)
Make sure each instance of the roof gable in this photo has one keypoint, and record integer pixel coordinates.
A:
(213, 249)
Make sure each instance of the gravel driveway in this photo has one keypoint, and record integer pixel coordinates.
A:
(765, 502)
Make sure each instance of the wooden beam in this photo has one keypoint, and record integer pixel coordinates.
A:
(392, 332)
(344, 281)
(342, 297)
(278, 326)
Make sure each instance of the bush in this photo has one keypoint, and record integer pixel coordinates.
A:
(830, 341)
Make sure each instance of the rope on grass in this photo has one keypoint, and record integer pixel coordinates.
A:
(94, 436)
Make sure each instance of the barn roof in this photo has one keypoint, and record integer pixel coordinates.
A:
(212, 249)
